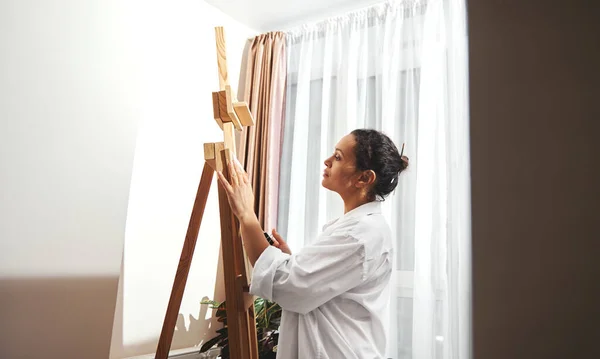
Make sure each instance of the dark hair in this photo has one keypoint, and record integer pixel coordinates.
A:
(375, 151)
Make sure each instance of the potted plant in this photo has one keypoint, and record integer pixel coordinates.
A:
(268, 318)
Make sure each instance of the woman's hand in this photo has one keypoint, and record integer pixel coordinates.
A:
(280, 243)
(239, 191)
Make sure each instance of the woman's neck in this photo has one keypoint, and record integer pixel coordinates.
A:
(354, 202)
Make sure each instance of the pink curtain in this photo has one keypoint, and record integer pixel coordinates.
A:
(262, 86)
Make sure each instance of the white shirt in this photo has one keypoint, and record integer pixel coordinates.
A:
(334, 293)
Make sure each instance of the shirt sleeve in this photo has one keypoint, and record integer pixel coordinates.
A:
(302, 282)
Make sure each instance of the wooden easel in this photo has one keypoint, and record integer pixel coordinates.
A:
(230, 115)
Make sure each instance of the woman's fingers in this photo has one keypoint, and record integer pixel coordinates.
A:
(277, 236)
(242, 175)
(233, 174)
(224, 182)
(238, 175)
(282, 245)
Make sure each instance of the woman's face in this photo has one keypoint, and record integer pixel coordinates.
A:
(340, 172)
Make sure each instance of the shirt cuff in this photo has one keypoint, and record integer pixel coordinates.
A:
(264, 271)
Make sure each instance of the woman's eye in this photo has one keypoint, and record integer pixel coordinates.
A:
(337, 157)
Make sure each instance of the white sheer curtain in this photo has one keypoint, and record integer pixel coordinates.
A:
(399, 67)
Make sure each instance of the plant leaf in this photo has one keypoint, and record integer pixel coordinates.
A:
(211, 343)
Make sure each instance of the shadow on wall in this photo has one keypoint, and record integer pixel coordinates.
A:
(56, 317)
(192, 336)
(198, 331)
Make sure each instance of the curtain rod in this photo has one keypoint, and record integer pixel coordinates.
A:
(373, 13)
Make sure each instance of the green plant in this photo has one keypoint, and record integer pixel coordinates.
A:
(268, 318)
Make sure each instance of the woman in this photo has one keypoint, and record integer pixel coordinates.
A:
(334, 292)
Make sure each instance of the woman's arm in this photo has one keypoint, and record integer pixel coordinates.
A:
(316, 274)
(253, 238)
(241, 201)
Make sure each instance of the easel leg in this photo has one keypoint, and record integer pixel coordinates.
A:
(252, 329)
(183, 269)
(240, 311)
(227, 229)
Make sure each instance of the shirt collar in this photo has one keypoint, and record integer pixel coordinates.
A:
(360, 211)
(364, 210)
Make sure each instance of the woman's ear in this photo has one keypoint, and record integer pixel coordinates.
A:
(366, 178)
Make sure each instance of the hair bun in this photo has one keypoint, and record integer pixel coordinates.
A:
(404, 164)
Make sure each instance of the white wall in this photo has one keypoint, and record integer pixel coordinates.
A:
(69, 110)
(179, 72)
(69, 113)
(76, 79)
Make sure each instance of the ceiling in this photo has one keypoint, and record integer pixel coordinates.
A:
(270, 15)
